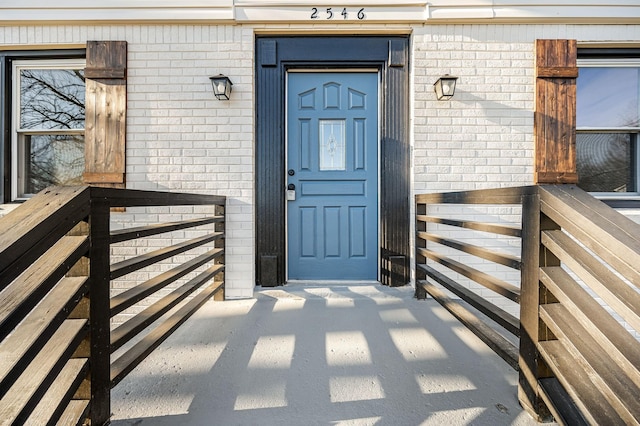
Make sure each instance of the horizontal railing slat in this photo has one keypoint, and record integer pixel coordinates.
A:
(623, 299)
(135, 294)
(498, 343)
(142, 320)
(572, 376)
(128, 234)
(58, 396)
(564, 410)
(499, 196)
(141, 198)
(132, 357)
(500, 316)
(610, 335)
(135, 263)
(75, 413)
(493, 228)
(29, 231)
(17, 300)
(23, 344)
(22, 397)
(501, 287)
(490, 255)
(610, 235)
(613, 383)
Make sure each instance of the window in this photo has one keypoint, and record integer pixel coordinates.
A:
(608, 125)
(48, 114)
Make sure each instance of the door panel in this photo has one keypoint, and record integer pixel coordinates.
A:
(332, 150)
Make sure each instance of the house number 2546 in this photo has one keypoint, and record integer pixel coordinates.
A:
(331, 13)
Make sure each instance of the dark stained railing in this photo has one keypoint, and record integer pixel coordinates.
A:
(579, 286)
(55, 304)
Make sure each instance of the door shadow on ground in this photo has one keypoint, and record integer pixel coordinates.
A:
(311, 355)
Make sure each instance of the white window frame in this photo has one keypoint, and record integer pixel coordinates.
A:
(17, 66)
(615, 63)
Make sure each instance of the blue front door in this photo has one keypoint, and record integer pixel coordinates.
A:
(332, 175)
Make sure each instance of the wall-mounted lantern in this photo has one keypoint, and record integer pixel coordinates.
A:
(445, 87)
(221, 87)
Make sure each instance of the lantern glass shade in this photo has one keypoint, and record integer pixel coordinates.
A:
(445, 87)
(221, 87)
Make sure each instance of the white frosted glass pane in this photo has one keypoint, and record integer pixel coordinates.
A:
(332, 145)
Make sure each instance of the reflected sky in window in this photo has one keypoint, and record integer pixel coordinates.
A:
(608, 97)
(52, 99)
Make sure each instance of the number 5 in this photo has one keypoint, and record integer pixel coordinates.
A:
(329, 13)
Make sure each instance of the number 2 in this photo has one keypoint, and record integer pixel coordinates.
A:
(314, 13)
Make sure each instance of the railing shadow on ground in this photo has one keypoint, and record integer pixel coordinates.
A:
(345, 354)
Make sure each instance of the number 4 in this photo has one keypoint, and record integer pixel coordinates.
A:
(344, 13)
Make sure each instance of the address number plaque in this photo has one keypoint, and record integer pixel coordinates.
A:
(337, 13)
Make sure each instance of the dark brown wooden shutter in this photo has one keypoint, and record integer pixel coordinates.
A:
(555, 111)
(105, 105)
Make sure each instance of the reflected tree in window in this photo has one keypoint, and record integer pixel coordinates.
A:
(604, 162)
(51, 137)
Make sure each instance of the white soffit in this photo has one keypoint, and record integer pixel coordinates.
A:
(333, 12)
(115, 10)
(534, 11)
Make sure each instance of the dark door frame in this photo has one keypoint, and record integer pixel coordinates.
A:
(274, 56)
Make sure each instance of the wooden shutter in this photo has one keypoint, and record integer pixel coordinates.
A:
(555, 111)
(105, 106)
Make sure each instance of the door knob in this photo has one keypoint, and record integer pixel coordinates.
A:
(291, 187)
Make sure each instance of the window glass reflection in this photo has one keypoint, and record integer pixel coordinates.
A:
(605, 162)
(51, 160)
(52, 99)
(608, 97)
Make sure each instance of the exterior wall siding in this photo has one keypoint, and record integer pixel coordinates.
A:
(180, 138)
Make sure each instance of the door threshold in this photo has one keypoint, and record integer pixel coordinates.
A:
(329, 283)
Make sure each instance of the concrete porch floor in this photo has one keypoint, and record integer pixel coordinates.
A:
(339, 354)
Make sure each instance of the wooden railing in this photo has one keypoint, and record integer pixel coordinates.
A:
(55, 304)
(578, 352)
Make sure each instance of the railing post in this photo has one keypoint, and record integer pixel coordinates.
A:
(99, 317)
(531, 366)
(221, 227)
(421, 226)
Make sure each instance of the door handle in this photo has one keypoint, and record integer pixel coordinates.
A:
(291, 187)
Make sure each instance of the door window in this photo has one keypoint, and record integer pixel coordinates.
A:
(333, 150)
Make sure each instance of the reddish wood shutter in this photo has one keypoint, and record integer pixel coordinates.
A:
(105, 105)
(555, 111)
